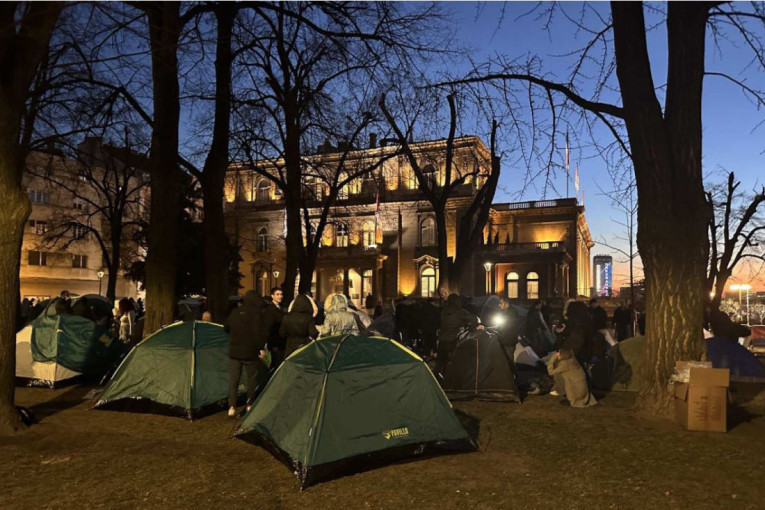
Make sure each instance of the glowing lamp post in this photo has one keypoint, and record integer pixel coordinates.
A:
(487, 265)
(100, 275)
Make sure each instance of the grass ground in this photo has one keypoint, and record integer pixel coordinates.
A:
(535, 455)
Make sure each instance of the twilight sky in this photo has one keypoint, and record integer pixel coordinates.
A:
(733, 138)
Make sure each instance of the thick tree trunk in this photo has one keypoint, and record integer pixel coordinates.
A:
(673, 214)
(14, 211)
(22, 47)
(216, 259)
(166, 176)
(307, 268)
(115, 258)
(446, 284)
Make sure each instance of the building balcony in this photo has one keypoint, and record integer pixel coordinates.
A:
(548, 246)
(354, 251)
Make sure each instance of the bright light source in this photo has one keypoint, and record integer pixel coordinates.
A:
(499, 320)
(487, 265)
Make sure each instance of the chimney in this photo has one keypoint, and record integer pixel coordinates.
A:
(372, 140)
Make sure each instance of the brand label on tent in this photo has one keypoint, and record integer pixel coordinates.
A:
(394, 433)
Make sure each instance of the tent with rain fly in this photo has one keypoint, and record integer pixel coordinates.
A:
(347, 403)
(180, 370)
(726, 353)
(58, 349)
(480, 368)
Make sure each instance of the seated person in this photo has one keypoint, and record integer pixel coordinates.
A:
(569, 375)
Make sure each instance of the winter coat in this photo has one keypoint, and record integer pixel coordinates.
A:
(579, 333)
(453, 320)
(338, 320)
(245, 326)
(722, 326)
(126, 328)
(272, 319)
(599, 317)
(574, 381)
(297, 327)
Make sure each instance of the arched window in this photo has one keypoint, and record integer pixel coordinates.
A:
(430, 176)
(342, 194)
(428, 282)
(264, 191)
(511, 285)
(532, 285)
(262, 241)
(368, 234)
(341, 235)
(428, 232)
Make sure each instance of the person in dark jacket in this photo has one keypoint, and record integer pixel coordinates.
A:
(724, 327)
(598, 314)
(507, 325)
(246, 347)
(579, 332)
(272, 320)
(298, 326)
(538, 334)
(454, 319)
(622, 319)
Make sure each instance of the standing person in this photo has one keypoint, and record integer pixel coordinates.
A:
(546, 311)
(272, 320)
(577, 336)
(369, 303)
(338, 320)
(26, 306)
(298, 326)
(248, 339)
(622, 319)
(454, 319)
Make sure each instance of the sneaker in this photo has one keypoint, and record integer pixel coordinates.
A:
(554, 393)
(247, 409)
(232, 412)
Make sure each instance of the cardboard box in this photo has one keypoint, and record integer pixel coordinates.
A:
(701, 403)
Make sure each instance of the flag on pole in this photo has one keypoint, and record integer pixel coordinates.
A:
(576, 177)
(582, 197)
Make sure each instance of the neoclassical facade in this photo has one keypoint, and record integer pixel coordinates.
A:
(533, 249)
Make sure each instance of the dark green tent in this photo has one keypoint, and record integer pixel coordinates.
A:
(75, 343)
(180, 370)
(348, 403)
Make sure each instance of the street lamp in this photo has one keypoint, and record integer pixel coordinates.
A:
(276, 275)
(739, 287)
(487, 265)
(100, 275)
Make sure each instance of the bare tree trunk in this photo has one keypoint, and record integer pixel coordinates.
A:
(446, 285)
(21, 50)
(214, 175)
(166, 177)
(666, 152)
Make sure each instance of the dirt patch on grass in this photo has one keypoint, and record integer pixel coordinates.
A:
(539, 454)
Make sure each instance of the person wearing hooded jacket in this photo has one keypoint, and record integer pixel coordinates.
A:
(298, 326)
(338, 320)
(246, 347)
(454, 319)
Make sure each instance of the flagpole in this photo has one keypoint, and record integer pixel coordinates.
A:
(567, 179)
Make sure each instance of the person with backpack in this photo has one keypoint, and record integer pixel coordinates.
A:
(298, 326)
(246, 348)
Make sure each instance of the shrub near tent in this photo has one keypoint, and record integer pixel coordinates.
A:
(348, 403)
(180, 370)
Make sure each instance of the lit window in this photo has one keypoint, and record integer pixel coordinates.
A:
(532, 286)
(429, 173)
(428, 282)
(341, 235)
(511, 284)
(368, 233)
(79, 231)
(264, 191)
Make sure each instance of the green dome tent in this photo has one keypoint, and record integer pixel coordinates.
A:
(181, 370)
(347, 403)
(58, 349)
(618, 371)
